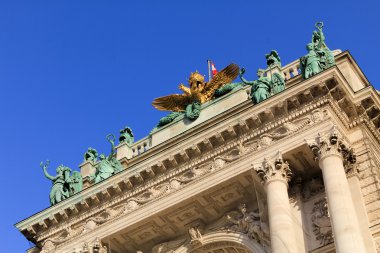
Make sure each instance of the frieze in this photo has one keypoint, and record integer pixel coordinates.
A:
(181, 177)
(243, 142)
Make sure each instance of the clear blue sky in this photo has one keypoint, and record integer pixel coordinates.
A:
(73, 71)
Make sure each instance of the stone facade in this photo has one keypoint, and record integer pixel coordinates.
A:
(297, 172)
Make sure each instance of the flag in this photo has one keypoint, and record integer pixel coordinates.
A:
(213, 69)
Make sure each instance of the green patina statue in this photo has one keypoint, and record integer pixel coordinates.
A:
(76, 183)
(261, 88)
(227, 88)
(273, 59)
(91, 155)
(192, 112)
(264, 87)
(168, 119)
(107, 166)
(64, 185)
(319, 56)
(126, 136)
(277, 83)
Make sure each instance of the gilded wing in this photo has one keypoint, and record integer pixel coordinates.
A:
(175, 102)
(226, 75)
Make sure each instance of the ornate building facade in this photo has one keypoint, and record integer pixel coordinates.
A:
(294, 169)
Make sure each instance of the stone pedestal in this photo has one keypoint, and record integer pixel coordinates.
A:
(124, 151)
(87, 169)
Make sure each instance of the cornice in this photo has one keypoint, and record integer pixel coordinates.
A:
(207, 141)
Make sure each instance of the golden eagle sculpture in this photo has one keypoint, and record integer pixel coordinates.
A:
(198, 92)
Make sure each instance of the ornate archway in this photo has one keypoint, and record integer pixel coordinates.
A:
(222, 242)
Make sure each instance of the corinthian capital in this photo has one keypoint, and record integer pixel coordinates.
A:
(276, 169)
(332, 143)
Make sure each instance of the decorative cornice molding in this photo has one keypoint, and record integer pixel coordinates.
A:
(175, 180)
(242, 144)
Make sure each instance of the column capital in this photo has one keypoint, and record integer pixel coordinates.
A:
(274, 170)
(331, 143)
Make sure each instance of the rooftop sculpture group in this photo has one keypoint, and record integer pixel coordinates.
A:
(67, 183)
(264, 86)
(64, 184)
(319, 56)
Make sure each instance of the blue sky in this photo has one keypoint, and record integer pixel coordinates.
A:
(73, 71)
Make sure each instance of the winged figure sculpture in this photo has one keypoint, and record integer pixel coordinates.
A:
(198, 92)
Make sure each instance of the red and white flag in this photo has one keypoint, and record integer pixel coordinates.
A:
(214, 71)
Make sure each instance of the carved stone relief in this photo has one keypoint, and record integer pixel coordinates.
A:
(243, 221)
(248, 223)
(312, 187)
(195, 237)
(321, 223)
(93, 247)
(242, 148)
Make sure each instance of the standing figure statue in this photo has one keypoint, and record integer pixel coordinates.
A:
(112, 157)
(319, 56)
(311, 62)
(104, 169)
(261, 88)
(107, 166)
(59, 190)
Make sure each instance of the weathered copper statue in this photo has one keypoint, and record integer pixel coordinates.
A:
(261, 88)
(107, 166)
(64, 185)
(319, 56)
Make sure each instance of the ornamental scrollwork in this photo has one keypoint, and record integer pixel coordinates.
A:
(271, 170)
(332, 143)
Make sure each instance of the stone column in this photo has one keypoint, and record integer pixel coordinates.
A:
(275, 176)
(333, 153)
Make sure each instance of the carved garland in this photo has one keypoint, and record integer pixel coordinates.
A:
(157, 191)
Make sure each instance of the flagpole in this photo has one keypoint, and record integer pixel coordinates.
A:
(209, 70)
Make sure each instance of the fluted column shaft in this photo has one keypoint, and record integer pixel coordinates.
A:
(331, 153)
(275, 178)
